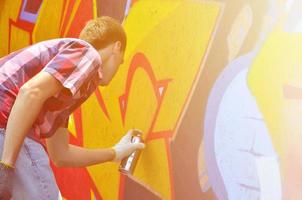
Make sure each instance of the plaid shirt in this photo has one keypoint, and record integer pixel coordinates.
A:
(73, 62)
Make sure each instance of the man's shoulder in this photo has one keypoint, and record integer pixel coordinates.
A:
(56, 45)
(60, 42)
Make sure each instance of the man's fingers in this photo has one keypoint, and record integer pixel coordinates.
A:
(138, 146)
(128, 136)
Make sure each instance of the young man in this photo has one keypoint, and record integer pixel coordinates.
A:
(40, 86)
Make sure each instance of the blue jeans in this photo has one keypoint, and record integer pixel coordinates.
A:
(34, 179)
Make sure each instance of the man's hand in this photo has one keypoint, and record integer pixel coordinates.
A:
(6, 179)
(124, 147)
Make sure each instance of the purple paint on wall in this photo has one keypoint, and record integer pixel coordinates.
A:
(30, 10)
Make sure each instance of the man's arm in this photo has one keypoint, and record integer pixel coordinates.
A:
(24, 112)
(64, 154)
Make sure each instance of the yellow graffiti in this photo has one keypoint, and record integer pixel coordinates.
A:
(162, 31)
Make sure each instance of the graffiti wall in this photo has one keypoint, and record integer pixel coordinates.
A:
(214, 85)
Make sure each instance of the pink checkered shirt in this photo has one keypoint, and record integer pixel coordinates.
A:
(74, 62)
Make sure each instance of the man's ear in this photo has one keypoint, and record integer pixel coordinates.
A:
(117, 47)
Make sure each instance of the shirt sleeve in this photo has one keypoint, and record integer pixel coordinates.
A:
(73, 65)
(65, 123)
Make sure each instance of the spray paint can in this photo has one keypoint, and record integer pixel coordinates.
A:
(128, 164)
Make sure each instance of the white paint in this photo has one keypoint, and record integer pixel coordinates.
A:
(269, 178)
(161, 89)
(128, 5)
(60, 196)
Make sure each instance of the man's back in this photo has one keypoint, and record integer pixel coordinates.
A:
(57, 57)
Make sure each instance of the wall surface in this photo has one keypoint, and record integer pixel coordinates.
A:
(214, 85)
